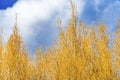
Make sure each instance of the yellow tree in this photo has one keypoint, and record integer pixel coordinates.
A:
(104, 54)
(1, 56)
(16, 57)
(116, 51)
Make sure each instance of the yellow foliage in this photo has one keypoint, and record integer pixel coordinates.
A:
(81, 53)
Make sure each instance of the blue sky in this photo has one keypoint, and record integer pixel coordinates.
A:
(6, 3)
(37, 19)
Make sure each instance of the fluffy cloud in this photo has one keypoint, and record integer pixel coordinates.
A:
(37, 19)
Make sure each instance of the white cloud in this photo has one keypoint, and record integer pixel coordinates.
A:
(32, 11)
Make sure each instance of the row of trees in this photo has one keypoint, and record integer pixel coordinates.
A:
(81, 53)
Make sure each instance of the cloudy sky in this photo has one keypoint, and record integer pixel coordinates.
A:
(37, 19)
